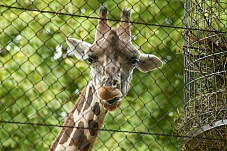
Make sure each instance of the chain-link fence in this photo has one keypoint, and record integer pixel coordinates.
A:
(41, 79)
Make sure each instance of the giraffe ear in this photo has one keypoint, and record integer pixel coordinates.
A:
(148, 62)
(77, 47)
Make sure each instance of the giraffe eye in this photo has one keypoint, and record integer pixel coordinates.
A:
(89, 60)
(134, 62)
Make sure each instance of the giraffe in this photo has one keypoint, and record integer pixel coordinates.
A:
(112, 59)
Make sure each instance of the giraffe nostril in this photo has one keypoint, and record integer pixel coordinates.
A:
(110, 82)
(115, 82)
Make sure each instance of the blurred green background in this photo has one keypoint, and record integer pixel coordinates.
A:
(39, 83)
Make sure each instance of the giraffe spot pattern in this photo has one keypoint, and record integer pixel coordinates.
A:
(81, 101)
(84, 144)
(96, 109)
(78, 134)
(68, 130)
(62, 137)
(79, 139)
(93, 127)
(89, 99)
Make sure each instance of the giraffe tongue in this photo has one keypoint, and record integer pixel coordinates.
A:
(110, 94)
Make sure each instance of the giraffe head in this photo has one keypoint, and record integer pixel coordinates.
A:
(112, 59)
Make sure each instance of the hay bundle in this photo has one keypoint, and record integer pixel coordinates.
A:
(205, 119)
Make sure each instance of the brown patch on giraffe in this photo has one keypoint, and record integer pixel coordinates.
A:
(79, 105)
(96, 109)
(79, 138)
(78, 134)
(67, 130)
(84, 144)
(112, 37)
(89, 99)
(93, 127)
(80, 102)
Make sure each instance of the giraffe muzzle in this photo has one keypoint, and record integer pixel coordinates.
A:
(109, 94)
(110, 97)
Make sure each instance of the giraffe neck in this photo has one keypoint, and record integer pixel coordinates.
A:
(81, 126)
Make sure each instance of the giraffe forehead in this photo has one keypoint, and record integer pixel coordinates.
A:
(120, 49)
(112, 45)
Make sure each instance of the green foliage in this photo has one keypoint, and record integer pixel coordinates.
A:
(36, 87)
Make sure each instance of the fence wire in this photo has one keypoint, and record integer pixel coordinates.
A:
(41, 80)
(205, 75)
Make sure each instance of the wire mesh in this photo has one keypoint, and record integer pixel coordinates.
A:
(40, 80)
(205, 74)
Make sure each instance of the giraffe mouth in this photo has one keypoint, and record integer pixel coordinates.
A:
(110, 97)
(112, 104)
(114, 100)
